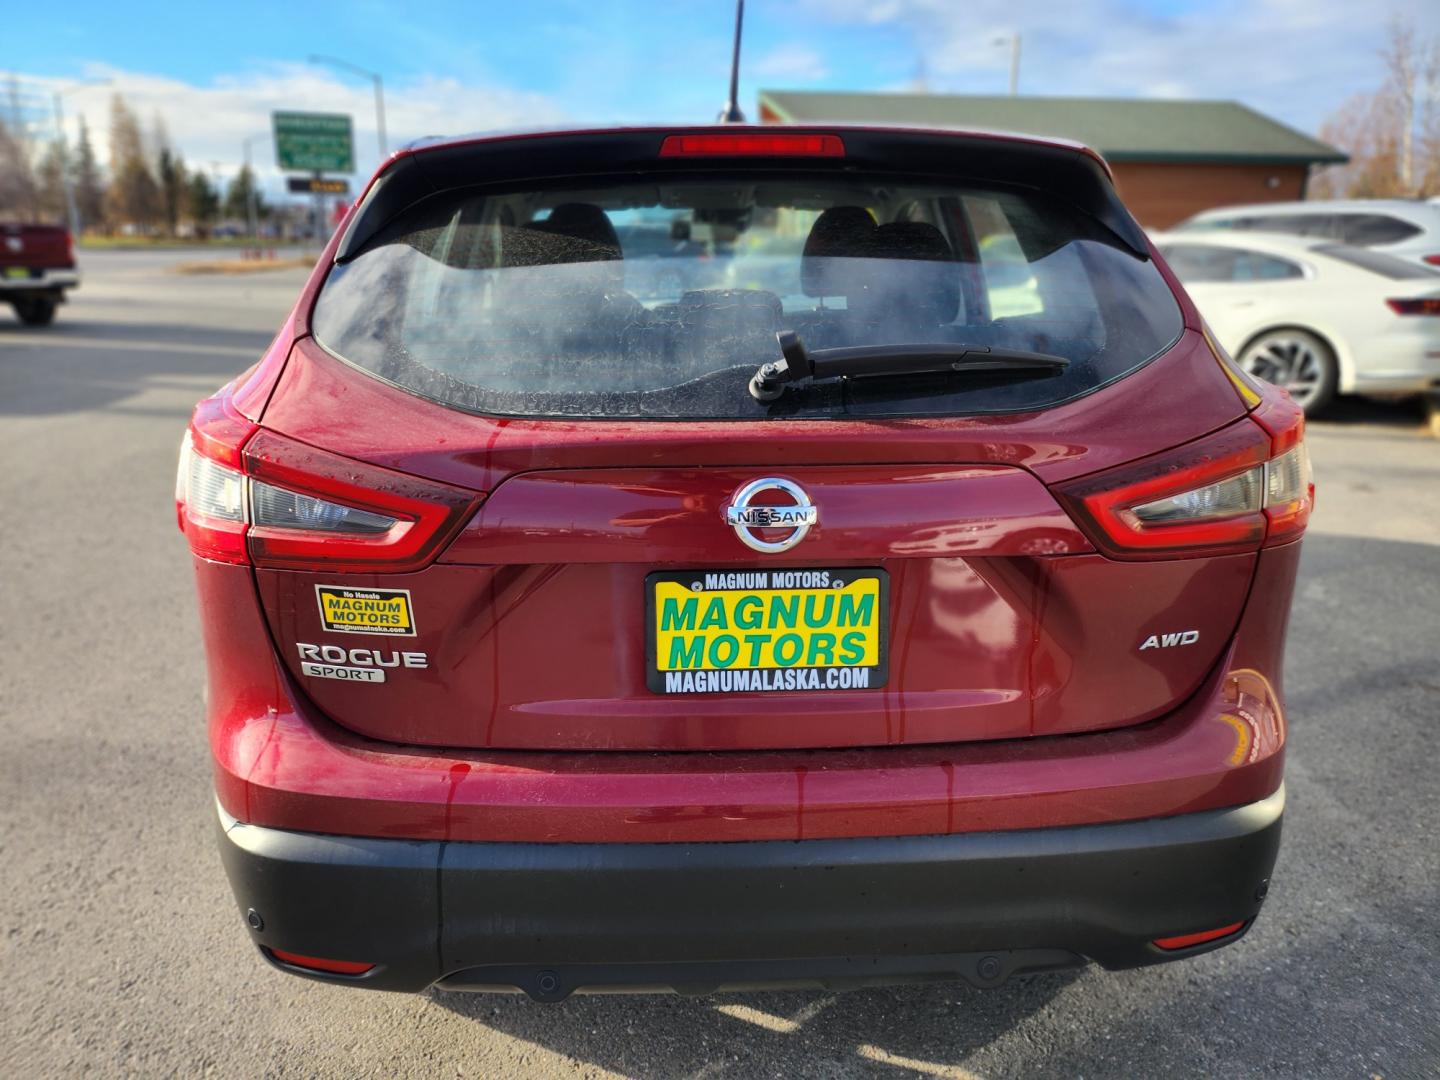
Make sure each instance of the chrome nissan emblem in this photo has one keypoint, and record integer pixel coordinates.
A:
(743, 517)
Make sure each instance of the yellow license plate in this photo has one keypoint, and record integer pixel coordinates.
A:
(741, 631)
(17, 272)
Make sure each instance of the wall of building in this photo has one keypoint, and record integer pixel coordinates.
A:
(1162, 195)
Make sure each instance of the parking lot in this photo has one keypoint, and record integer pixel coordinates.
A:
(123, 952)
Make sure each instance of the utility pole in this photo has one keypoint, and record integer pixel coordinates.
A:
(374, 77)
(1015, 64)
(72, 211)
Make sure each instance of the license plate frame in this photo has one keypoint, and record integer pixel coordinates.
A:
(772, 677)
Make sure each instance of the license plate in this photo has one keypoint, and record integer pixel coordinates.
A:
(741, 631)
(17, 272)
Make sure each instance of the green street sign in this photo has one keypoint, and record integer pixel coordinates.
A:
(313, 142)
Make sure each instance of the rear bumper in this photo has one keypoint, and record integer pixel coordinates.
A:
(280, 764)
(40, 280)
(1397, 363)
(551, 919)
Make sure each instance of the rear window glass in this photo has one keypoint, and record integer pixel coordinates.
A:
(1201, 263)
(1321, 225)
(659, 297)
(1390, 266)
(1363, 230)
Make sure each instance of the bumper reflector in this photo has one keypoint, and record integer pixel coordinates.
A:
(1184, 941)
(315, 963)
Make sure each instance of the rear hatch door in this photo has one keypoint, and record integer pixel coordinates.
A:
(662, 562)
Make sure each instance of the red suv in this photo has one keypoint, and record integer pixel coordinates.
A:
(898, 589)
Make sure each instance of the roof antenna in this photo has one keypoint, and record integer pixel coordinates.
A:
(731, 113)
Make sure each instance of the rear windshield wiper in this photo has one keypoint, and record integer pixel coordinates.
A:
(913, 359)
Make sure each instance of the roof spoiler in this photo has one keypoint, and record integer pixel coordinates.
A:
(1066, 172)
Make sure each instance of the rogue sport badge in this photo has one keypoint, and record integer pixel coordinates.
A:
(798, 517)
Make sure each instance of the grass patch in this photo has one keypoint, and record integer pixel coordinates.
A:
(244, 266)
(161, 243)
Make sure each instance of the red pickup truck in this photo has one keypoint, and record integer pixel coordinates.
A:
(37, 265)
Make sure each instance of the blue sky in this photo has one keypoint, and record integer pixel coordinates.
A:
(214, 73)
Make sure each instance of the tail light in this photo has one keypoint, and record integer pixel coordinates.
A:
(249, 496)
(69, 247)
(1244, 486)
(780, 144)
(1432, 260)
(1415, 305)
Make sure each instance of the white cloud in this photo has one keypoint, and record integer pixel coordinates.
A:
(788, 65)
(1295, 59)
(208, 123)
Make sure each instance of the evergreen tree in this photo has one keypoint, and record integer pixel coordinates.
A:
(237, 196)
(89, 185)
(202, 200)
(171, 168)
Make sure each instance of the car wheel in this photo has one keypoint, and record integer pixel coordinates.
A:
(35, 312)
(1298, 361)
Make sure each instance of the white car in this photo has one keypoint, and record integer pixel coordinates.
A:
(1408, 228)
(1314, 317)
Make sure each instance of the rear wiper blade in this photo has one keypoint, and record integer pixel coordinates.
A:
(798, 362)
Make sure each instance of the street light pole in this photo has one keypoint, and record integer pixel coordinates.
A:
(375, 78)
(1015, 64)
(380, 115)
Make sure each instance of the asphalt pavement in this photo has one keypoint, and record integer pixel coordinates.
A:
(123, 953)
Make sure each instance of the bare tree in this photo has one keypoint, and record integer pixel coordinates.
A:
(1429, 125)
(50, 184)
(17, 183)
(17, 175)
(134, 195)
(1392, 134)
(1401, 91)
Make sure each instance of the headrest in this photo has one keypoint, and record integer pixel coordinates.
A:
(576, 236)
(840, 232)
(912, 291)
(909, 240)
(586, 224)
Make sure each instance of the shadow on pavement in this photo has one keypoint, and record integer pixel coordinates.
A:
(794, 1033)
(79, 366)
(1409, 412)
(97, 333)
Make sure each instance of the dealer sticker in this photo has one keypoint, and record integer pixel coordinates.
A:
(365, 611)
(727, 631)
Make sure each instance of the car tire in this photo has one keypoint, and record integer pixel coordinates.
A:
(1301, 362)
(35, 312)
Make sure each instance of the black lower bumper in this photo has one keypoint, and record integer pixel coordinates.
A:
(554, 918)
